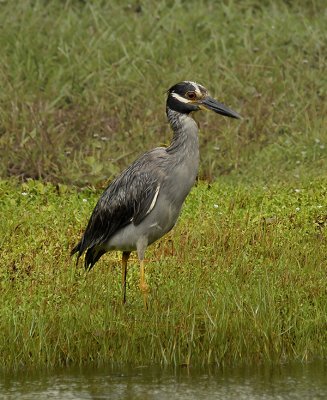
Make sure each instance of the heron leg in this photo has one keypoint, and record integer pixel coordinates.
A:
(124, 272)
(141, 247)
(143, 285)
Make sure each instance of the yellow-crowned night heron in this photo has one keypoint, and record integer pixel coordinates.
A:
(143, 203)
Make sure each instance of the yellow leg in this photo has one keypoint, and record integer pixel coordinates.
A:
(124, 273)
(143, 285)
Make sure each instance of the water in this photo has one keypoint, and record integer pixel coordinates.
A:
(290, 381)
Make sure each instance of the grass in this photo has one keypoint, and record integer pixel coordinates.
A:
(242, 277)
(83, 85)
(248, 284)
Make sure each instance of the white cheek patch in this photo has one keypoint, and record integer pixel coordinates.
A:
(180, 98)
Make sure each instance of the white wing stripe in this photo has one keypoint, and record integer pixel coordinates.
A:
(153, 202)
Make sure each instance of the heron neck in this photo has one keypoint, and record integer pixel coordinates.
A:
(185, 134)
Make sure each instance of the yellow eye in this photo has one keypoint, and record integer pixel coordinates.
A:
(191, 95)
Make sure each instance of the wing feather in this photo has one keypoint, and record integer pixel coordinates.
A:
(130, 197)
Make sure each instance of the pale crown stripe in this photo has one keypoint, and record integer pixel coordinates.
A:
(196, 86)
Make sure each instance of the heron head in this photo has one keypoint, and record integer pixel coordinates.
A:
(188, 96)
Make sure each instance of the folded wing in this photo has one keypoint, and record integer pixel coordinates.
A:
(128, 199)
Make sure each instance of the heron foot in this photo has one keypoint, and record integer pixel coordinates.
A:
(145, 289)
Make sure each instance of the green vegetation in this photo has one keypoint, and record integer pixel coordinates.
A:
(242, 277)
(82, 85)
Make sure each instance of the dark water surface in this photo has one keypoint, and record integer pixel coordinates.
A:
(289, 381)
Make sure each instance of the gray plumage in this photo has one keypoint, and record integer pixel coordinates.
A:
(144, 202)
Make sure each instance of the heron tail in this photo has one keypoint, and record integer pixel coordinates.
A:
(76, 249)
(92, 256)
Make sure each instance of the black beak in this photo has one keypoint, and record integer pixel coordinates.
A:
(211, 104)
